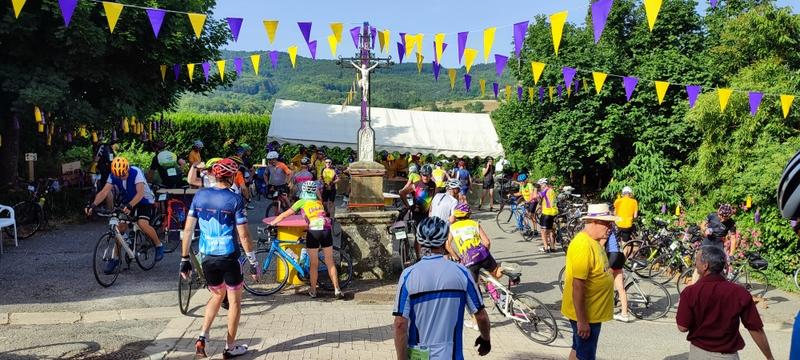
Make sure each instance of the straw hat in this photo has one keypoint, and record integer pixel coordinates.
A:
(600, 212)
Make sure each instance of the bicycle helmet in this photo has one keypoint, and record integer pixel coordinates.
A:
(309, 189)
(237, 159)
(627, 190)
(542, 181)
(224, 168)
(246, 147)
(272, 155)
(432, 232)
(198, 144)
(725, 210)
(438, 164)
(453, 184)
(462, 210)
(413, 169)
(522, 177)
(211, 162)
(425, 170)
(120, 166)
(304, 161)
(569, 189)
(788, 196)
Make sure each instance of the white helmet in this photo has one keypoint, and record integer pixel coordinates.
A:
(542, 181)
(453, 184)
(198, 144)
(627, 190)
(309, 187)
(567, 189)
(272, 155)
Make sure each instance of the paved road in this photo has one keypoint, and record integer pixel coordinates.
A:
(52, 307)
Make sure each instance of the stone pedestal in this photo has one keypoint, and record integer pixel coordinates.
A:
(366, 186)
(369, 242)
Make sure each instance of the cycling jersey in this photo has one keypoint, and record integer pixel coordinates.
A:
(439, 177)
(277, 173)
(625, 207)
(218, 211)
(423, 194)
(127, 187)
(314, 212)
(299, 178)
(166, 163)
(466, 235)
(463, 177)
(415, 177)
(549, 202)
(442, 206)
(527, 191)
(432, 295)
(328, 176)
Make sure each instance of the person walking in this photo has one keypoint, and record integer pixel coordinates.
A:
(588, 298)
(627, 208)
(488, 183)
(463, 177)
(711, 309)
(430, 302)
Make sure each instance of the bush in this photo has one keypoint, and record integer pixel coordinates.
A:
(220, 133)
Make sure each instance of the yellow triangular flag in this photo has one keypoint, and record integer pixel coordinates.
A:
(438, 40)
(585, 85)
(386, 42)
(411, 40)
(724, 95)
(557, 21)
(125, 128)
(452, 74)
(483, 87)
(488, 41)
(537, 68)
(469, 58)
(381, 40)
(420, 36)
(332, 43)
(336, 29)
(113, 10)
(94, 136)
(163, 73)
(661, 90)
(550, 90)
(748, 203)
(272, 26)
(256, 60)
(190, 67)
(37, 114)
(40, 127)
(197, 20)
(508, 92)
(293, 54)
(419, 62)
(651, 8)
(678, 210)
(599, 80)
(531, 94)
(786, 104)
(221, 69)
(17, 4)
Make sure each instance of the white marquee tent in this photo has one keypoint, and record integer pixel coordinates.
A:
(427, 132)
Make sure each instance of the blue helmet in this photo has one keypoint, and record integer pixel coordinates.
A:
(432, 232)
(522, 177)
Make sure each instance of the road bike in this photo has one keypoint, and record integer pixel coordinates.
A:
(275, 264)
(403, 233)
(113, 245)
(32, 214)
(568, 223)
(170, 217)
(744, 270)
(531, 316)
(513, 217)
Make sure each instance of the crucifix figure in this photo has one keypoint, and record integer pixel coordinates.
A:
(364, 81)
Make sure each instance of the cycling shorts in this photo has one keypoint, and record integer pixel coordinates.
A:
(223, 271)
(531, 206)
(316, 239)
(624, 235)
(489, 264)
(488, 183)
(142, 211)
(329, 195)
(546, 221)
(616, 260)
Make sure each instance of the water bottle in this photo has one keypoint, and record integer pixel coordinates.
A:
(492, 290)
(41, 201)
(291, 254)
(303, 256)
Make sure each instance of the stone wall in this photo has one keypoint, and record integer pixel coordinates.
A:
(369, 242)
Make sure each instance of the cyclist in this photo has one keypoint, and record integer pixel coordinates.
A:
(488, 183)
(166, 163)
(413, 174)
(432, 296)
(627, 208)
(527, 192)
(317, 164)
(329, 179)
(789, 205)
(318, 235)
(296, 160)
(194, 154)
(222, 218)
(423, 191)
(445, 201)
(239, 185)
(463, 176)
(277, 175)
(549, 212)
(205, 178)
(301, 176)
(719, 227)
(616, 260)
(138, 202)
(439, 175)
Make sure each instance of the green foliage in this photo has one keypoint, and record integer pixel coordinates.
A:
(474, 107)
(652, 177)
(136, 153)
(221, 133)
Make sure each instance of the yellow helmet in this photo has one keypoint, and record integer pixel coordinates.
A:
(211, 162)
(120, 166)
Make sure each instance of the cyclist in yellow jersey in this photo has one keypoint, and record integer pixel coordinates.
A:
(329, 180)
(527, 192)
(413, 174)
(627, 208)
(549, 211)
(439, 175)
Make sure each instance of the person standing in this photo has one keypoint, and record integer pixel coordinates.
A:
(588, 298)
(627, 208)
(463, 177)
(711, 309)
(719, 227)
(488, 183)
(194, 154)
(439, 175)
(165, 162)
(444, 203)
(300, 176)
(430, 302)
(329, 179)
(549, 212)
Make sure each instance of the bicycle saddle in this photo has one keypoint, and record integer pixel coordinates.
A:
(638, 264)
(514, 276)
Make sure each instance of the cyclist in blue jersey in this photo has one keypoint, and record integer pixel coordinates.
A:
(223, 218)
(431, 297)
(137, 199)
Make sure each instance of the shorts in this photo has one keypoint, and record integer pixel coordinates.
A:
(223, 271)
(489, 264)
(585, 349)
(531, 206)
(624, 235)
(546, 221)
(463, 190)
(316, 239)
(616, 260)
(488, 183)
(142, 211)
(329, 195)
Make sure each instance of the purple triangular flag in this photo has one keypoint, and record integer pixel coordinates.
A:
(69, 136)
(693, 91)
(67, 9)
(600, 11)
(462, 44)
(541, 93)
(436, 68)
(312, 47)
(156, 19)
(519, 93)
(629, 82)
(755, 101)
(757, 216)
(500, 63)
(520, 29)
(372, 33)
(569, 74)
(401, 51)
(354, 34)
(273, 59)
(559, 90)
(495, 87)
(403, 39)
(467, 81)
(176, 69)
(713, 4)
(305, 29)
(155, 126)
(577, 86)
(235, 24)
(114, 135)
(237, 64)
(206, 69)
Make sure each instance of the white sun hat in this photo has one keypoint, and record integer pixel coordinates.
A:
(600, 212)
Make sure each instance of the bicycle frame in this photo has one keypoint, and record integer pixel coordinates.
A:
(498, 286)
(275, 247)
(113, 222)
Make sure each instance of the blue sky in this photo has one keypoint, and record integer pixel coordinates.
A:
(412, 16)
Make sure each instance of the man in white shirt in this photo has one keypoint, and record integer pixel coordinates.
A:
(443, 203)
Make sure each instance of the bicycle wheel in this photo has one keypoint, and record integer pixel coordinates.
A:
(797, 278)
(170, 233)
(103, 253)
(271, 280)
(630, 249)
(145, 251)
(647, 299)
(505, 220)
(561, 275)
(645, 255)
(534, 319)
(527, 229)
(563, 238)
(659, 266)
(685, 279)
(344, 270)
(185, 288)
(29, 218)
(754, 281)
(408, 254)
(272, 209)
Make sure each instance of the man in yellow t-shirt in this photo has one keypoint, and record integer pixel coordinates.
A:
(588, 298)
(627, 208)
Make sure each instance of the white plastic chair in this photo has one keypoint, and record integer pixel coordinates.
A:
(6, 222)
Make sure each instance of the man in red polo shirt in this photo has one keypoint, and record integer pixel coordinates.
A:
(710, 310)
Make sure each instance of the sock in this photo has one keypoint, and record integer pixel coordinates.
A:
(203, 335)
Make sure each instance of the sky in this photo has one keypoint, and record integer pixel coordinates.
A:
(411, 16)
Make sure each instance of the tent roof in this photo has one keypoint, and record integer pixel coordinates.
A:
(427, 132)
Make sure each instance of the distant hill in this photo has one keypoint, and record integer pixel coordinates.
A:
(324, 81)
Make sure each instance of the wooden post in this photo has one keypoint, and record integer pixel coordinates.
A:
(30, 171)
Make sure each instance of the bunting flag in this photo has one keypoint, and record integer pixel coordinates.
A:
(651, 9)
(354, 33)
(125, 127)
(559, 90)
(237, 65)
(436, 58)
(206, 69)
(755, 101)
(537, 68)
(520, 29)
(37, 113)
(519, 93)
(305, 29)
(600, 11)
(786, 104)
(462, 44)
(469, 57)
(629, 83)
(569, 75)
(163, 72)
(713, 3)
(452, 74)
(495, 88)
(235, 24)
(692, 91)
(541, 94)
(467, 81)
(436, 68)
(599, 80)
(221, 69)
(661, 90)
(113, 10)
(336, 29)
(724, 96)
(176, 70)
(17, 4)
(488, 41)
(419, 63)
(531, 94)
(256, 60)
(273, 59)
(500, 64)
(382, 40)
(483, 87)
(438, 47)
(312, 48)
(403, 39)
(67, 9)
(198, 21)
(748, 202)
(156, 17)
(586, 86)
(557, 21)
(190, 68)
(508, 93)
(410, 42)
(292, 50)
(419, 42)
(332, 44)
(551, 92)
(372, 32)
(271, 26)
(401, 51)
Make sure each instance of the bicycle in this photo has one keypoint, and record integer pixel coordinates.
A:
(568, 223)
(403, 233)
(514, 218)
(32, 214)
(744, 270)
(169, 225)
(278, 200)
(135, 245)
(529, 314)
(272, 258)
